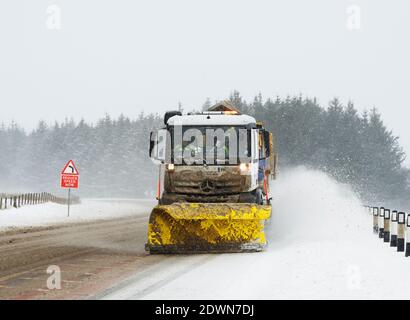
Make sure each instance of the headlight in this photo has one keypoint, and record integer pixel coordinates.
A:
(170, 167)
(245, 167)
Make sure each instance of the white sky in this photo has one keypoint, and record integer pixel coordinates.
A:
(122, 56)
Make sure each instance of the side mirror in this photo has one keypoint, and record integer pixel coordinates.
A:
(152, 141)
(157, 145)
(266, 138)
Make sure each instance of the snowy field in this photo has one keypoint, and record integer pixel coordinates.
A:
(321, 247)
(51, 213)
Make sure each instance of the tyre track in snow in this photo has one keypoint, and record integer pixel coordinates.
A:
(155, 277)
(92, 256)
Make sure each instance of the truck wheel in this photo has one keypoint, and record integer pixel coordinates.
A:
(258, 196)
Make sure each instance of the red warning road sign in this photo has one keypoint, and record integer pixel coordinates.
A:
(69, 176)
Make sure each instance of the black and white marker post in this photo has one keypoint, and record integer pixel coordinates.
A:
(393, 229)
(407, 253)
(400, 231)
(381, 223)
(386, 225)
(375, 220)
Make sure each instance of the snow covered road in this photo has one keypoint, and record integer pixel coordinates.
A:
(321, 247)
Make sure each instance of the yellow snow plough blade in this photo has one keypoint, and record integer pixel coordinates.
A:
(207, 227)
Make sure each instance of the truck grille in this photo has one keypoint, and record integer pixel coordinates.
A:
(207, 186)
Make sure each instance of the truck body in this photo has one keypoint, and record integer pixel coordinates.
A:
(209, 163)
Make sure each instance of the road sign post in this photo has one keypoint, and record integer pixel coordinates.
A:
(68, 202)
(69, 179)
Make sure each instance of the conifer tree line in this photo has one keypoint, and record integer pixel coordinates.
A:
(112, 155)
(354, 148)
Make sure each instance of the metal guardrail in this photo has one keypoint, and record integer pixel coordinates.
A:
(19, 200)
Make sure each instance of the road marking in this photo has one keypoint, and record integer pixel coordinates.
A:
(71, 281)
(153, 278)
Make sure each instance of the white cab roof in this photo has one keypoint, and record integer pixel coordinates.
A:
(211, 120)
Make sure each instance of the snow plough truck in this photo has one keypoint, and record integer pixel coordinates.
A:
(215, 168)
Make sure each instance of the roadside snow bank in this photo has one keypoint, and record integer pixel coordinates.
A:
(51, 213)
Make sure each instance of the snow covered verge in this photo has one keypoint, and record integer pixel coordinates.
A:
(90, 209)
(321, 247)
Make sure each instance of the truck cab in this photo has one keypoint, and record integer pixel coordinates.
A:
(218, 155)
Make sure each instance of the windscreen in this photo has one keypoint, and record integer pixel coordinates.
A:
(211, 145)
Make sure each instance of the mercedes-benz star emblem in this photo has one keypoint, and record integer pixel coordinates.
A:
(207, 186)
